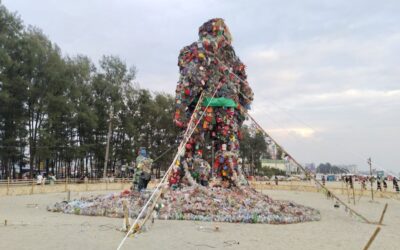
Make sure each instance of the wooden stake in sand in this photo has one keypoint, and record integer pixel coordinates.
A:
(383, 214)
(372, 238)
(371, 179)
(126, 215)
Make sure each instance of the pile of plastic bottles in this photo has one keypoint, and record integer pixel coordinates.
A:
(236, 205)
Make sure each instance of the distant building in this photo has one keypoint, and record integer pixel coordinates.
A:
(291, 168)
(287, 166)
(277, 164)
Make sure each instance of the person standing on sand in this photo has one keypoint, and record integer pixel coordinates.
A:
(351, 182)
(395, 184)
(39, 179)
(136, 178)
(144, 179)
(384, 184)
(363, 184)
(378, 183)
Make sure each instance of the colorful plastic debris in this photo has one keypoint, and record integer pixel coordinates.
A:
(238, 205)
(211, 65)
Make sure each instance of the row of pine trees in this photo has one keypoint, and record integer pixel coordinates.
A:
(56, 110)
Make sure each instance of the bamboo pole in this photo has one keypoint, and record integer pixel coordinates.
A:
(383, 214)
(372, 238)
(108, 143)
(370, 178)
(8, 184)
(149, 212)
(354, 195)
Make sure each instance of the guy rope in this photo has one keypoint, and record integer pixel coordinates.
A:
(307, 172)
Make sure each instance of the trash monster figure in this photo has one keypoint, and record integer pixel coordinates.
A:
(206, 66)
(210, 65)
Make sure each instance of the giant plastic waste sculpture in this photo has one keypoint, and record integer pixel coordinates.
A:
(210, 65)
(211, 72)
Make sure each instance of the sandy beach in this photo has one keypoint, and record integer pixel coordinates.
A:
(30, 226)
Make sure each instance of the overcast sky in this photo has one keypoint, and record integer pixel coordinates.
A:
(326, 74)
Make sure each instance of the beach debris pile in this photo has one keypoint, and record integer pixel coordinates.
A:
(235, 205)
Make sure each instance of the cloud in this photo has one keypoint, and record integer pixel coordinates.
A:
(303, 132)
(331, 65)
(349, 97)
(269, 55)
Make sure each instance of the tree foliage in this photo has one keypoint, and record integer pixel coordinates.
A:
(55, 110)
(253, 147)
(327, 168)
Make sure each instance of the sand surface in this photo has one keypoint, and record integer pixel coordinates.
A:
(30, 226)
